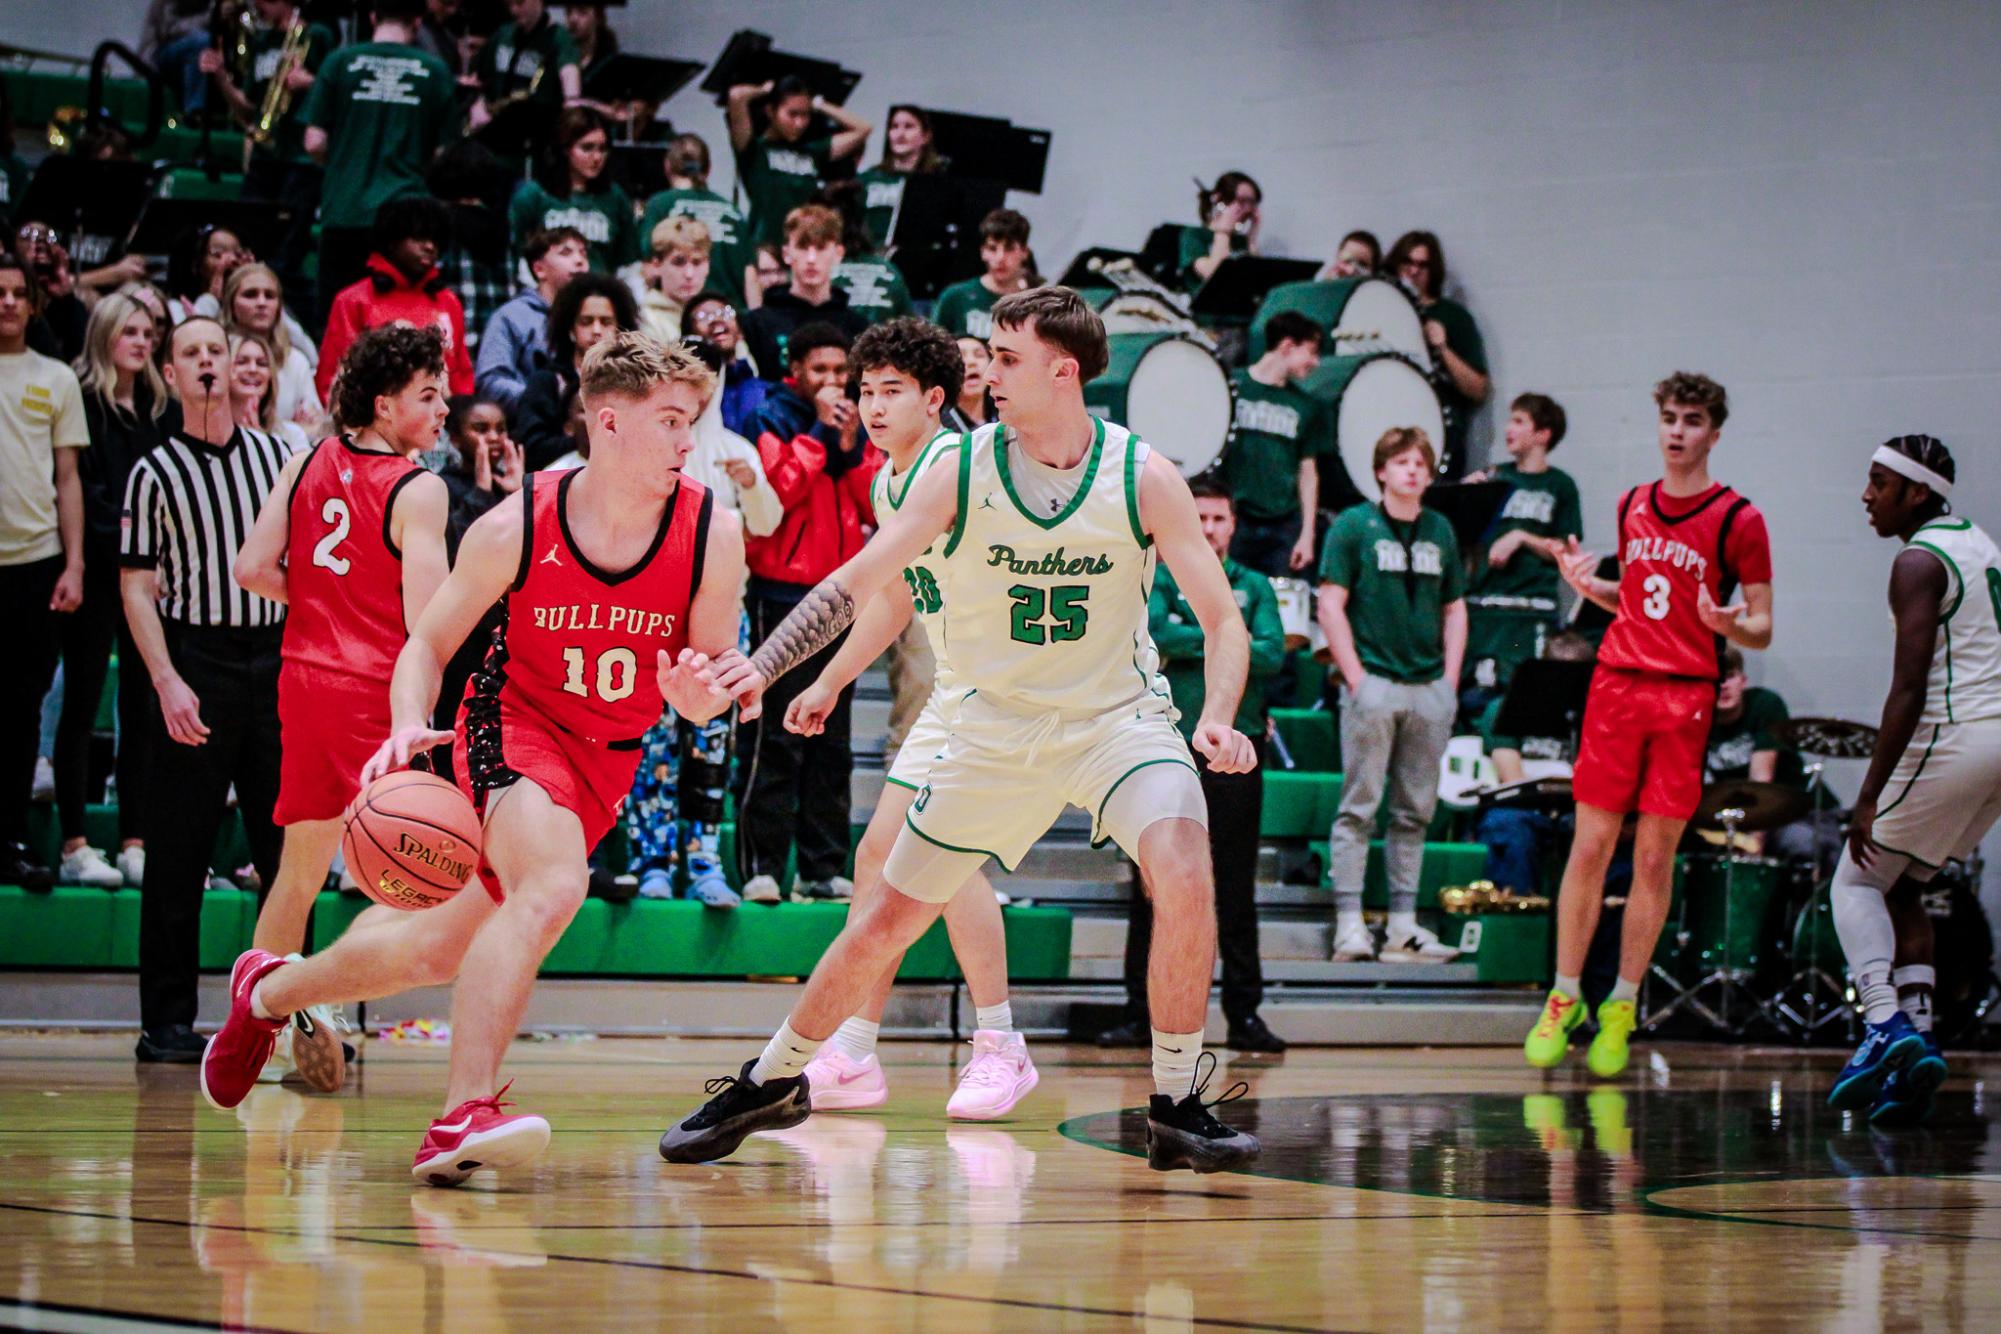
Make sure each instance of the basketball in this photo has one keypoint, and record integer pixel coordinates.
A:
(412, 840)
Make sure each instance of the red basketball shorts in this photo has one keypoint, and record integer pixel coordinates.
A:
(499, 744)
(1644, 737)
(329, 725)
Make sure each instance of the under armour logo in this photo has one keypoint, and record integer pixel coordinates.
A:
(552, 558)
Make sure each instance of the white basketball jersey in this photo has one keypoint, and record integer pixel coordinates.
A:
(1049, 611)
(926, 577)
(1966, 666)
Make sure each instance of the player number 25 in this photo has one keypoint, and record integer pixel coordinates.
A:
(1656, 605)
(1064, 605)
(617, 672)
(335, 513)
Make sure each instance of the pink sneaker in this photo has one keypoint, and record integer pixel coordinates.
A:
(477, 1134)
(235, 1056)
(999, 1076)
(842, 1084)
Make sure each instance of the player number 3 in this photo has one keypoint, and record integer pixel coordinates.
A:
(617, 673)
(1656, 605)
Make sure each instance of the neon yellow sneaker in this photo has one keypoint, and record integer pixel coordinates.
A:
(1608, 1054)
(1550, 1038)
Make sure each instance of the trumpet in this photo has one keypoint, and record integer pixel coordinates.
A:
(502, 104)
(278, 92)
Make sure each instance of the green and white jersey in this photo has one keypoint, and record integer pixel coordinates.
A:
(1047, 604)
(927, 577)
(1965, 679)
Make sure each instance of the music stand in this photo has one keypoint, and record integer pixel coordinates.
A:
(163, 222)
(1470, 507)
(936, 232)
(631, 78)
(95, 204)
(749, 57)
(989, 148)
(1239, 285)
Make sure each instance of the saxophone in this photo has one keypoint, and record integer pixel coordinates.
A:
(278, 92)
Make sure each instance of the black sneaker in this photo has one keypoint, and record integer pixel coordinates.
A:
(1183, 1134)
(736, 1109)
(176, 1044)
(1132, 1033)
(1253, 1035)
(18, 868)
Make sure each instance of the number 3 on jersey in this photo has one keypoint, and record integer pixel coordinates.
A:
(1656, 605)
(617, 673)
(335, 513)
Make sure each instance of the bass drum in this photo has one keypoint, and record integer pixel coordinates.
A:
(1368, 395)
(1170, 391)
(1140, 312)
(1963, 949)
(1363, 315)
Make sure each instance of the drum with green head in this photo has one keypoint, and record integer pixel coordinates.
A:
(1359, 314)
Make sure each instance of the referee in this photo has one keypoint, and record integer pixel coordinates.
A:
(212, 652)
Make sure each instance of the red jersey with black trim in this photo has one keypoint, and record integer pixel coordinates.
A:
(1669, 547)
(577, 644)
(343, 576)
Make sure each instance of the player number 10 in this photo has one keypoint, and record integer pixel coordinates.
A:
(617, 673)
(1656, 605)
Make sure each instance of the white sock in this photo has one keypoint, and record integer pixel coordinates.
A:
(1569, 986)
(855, 1039)
(1914, 983)
(784, 1056)
(1622, 990)
(1402, 926)
(1868, 936)
(994, 1018)
(257, 1001)
(1174, 1057)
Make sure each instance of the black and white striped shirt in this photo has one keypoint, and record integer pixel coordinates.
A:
(188, 508)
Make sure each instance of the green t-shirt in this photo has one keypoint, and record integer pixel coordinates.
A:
(882, 194)
(1400, 578)
(1178, 636)
(778, 177)
(1728, 754)
(1276, 428)
(1463, 337)
(874, 288)
(509, 61)
(603, 216)
(1195, 243)
(1529, 747)
(730, 251)
(386, 108)
(288, 144)
(1510, 610)
(966, 308)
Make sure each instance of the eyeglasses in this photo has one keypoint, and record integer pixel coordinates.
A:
(714, 317)
(1422, 264)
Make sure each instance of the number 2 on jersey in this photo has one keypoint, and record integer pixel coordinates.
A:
(335, 513)
(1064, 603)
(617, 672)
(1656, 605)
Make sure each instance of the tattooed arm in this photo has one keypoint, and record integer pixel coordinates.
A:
(928, 513)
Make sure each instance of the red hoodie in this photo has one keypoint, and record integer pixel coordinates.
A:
(824, 515)
(385, 296)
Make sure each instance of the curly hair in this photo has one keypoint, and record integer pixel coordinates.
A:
(1691, 389)
(569, 303)
(382, 361)
(917, 348)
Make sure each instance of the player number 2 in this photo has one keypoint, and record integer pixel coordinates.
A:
(617, 673)
(335, 513)
(1656, 605)
(1065, 606)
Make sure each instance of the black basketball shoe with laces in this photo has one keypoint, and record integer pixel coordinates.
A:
(1184, 1134)
(736, 1108)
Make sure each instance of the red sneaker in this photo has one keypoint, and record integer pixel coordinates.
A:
(477, 1134)
(236, 1054)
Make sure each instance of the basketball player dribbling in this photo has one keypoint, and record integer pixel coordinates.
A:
(1685, 543)
(353, 542)
(1933, 789)
(1046, 530)
(616, 581)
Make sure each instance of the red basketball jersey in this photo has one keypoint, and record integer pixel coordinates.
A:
(1668, 548)
(343, 575)
(577, 644)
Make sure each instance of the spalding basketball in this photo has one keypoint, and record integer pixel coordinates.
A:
(412, 840)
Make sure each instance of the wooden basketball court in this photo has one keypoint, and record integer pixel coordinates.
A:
(1400, 1189)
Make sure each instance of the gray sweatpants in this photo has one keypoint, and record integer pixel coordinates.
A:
(1392, 738)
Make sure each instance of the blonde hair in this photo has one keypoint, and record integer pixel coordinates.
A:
(632, 365)
(812, 224)
(267, 411)
(677, 234)
(279, 341)
(1400, 438)
(94, 370)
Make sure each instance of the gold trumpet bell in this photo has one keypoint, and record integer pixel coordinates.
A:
(64, 122)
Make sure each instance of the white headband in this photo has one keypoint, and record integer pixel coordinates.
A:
(1906, 466)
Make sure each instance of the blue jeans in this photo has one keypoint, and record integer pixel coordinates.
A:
(1517, 845)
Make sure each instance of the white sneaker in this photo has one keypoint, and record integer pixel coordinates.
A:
(132, 864)
(841, 889)
(87, 866)
(45, 779)
(761, 889)
(1354, 945)
(1417, 945)
(280, 1063)
(1001, 897)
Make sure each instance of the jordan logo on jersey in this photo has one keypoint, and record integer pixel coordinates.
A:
(553, 558)
(1678, 554)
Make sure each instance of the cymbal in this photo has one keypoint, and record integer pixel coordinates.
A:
(1828, 738)
(1760, 806)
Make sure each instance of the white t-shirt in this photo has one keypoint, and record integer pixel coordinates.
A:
(41, 411)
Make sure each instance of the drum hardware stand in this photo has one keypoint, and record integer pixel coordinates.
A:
(1730, 978)
(1812, 998)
